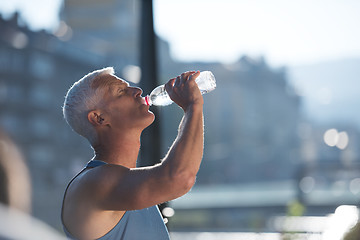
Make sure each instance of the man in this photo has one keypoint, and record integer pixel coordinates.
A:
(111, 198)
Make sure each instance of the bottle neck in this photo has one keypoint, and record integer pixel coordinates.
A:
(148, 100)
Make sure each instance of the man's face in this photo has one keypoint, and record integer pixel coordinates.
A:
(123, 105)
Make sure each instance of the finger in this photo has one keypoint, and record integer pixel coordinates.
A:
(188, 74)
(194, 75)
(178, 81)
(183, 77)
(170, 84)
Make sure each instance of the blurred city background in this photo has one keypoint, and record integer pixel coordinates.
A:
(282, 133)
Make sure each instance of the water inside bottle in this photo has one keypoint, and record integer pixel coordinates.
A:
(160, 99)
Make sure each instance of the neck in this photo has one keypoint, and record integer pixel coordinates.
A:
(119, 149)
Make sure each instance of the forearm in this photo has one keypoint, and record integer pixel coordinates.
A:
(185, 155)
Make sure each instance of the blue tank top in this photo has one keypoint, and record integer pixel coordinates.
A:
(135, 225)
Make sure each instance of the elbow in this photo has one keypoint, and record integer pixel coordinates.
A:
(184, 182)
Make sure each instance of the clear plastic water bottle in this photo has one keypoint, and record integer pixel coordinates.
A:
(159, 97)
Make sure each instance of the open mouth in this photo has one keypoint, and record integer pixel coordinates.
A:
(144, 101)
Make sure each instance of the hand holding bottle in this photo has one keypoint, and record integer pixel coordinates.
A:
(184, 91)
(159, 96)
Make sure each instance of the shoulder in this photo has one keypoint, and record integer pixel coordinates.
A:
(85, 195)
(83, 206)
(98, 179)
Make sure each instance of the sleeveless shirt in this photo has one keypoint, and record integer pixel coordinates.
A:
(134, 225)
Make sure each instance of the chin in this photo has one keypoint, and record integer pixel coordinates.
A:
(150, 118)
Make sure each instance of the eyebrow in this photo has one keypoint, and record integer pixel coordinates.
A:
(118, 86)
(122, 83)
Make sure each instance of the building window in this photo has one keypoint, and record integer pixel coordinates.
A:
(41, 66)
(11, 124)
(3, 92)
(13, 93)
(41, 154)
(40, 126)
(40, 96)
(17, 61)
(11, 60)
(4, 59)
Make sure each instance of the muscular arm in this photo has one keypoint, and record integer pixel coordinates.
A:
(127, 189)
(184, 157)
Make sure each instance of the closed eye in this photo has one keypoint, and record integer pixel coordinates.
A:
(121, 88)
(121, 91)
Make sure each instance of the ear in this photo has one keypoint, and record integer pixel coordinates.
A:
(96, 118)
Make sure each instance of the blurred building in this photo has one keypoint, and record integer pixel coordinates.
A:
(257, 117)
(251, 122)
(36, 69)
(113, 23)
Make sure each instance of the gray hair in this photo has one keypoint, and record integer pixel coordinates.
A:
(81, 98)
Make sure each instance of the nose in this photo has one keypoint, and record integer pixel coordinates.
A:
(137, 91)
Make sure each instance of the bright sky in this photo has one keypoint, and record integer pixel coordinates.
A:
(284, 32)
(38, 14)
